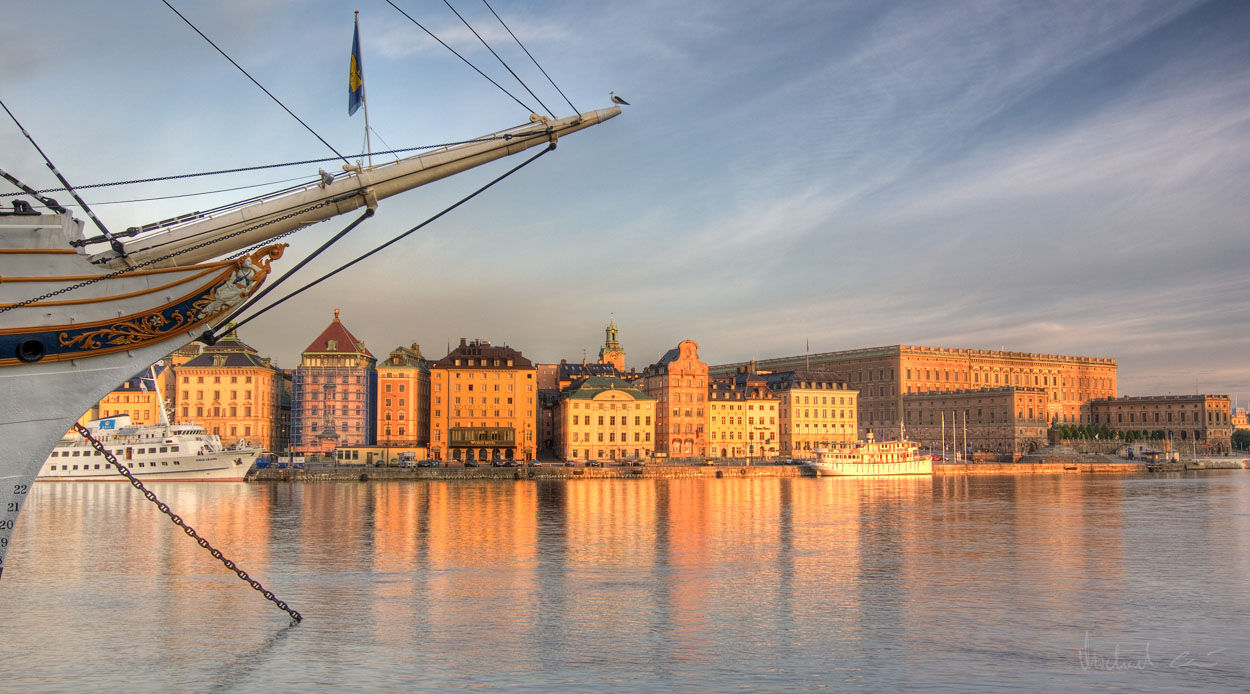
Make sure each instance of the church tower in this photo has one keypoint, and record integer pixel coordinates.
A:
(611, 351)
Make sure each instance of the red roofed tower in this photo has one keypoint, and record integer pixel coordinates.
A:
(334, 393)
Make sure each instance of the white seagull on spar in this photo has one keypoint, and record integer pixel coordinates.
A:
(616, 99)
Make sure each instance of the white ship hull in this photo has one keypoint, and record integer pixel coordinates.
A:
(915, 467)
(223, 466)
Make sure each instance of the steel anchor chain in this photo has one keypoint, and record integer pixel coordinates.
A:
(177, 520)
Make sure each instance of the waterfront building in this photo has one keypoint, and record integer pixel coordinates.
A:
(884, 375)
(815, 406)
(483, 404)
(1193, 424)
(403, 417)
(611, 352)
(1240, 420)
(603, 418)
(743, 417)
(233, 392)
(679, 383)
(138, 397)
(1007, 420)
(334, 393)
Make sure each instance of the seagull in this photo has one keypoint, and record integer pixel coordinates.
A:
(616, 99)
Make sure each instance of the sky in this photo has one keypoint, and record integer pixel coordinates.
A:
(1052, 177)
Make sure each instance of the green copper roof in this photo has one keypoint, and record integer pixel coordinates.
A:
(588, 389)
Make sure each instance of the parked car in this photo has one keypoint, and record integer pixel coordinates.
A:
(470, 463)
(427, 463)
(594, 463)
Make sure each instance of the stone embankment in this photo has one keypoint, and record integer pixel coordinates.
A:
(559, 472)
(540, 472)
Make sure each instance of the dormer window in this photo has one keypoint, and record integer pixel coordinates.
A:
(332, 345)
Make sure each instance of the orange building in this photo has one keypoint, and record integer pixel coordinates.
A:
(679, 383)
(231, 391)
(404, 398)
(483, 404)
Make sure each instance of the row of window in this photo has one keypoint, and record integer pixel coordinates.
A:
(216, 379)
(97, 466)
(638, 420)
(87, 452)
(638, 436)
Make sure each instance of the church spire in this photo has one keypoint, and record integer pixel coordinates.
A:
(612, 352)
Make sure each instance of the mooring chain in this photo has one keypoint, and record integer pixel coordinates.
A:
(256, 585)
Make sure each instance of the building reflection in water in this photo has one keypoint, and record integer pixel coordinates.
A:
(817, 573)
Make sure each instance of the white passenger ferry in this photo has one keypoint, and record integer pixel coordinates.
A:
(870, 458)
(174, 452)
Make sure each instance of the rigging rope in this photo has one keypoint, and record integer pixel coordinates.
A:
(258, 167)
(527, 52)
(117, 246)
(466, 60)
(153, 261)
(363, 256)
(209, 338)
(177, 520)
(501, 60)
(258, 84)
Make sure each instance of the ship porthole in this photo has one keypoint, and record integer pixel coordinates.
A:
(30, 350)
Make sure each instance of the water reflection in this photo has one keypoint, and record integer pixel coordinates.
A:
(711, 584)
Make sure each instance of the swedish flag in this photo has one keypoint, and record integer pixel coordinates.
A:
(355, 75)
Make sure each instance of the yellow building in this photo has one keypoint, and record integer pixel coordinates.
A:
(816, 407)
(232, 391)
(604, 419)
(744, 418)
(483, 404)
(138, 397)
(404, 398)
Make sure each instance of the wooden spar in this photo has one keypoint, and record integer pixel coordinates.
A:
(361, 188)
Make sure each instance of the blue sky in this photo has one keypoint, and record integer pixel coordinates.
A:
(1049, 177)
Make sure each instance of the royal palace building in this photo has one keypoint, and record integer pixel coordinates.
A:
(883, 376)
(1193, 424)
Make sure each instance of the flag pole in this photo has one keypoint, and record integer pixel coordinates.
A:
(364, 100)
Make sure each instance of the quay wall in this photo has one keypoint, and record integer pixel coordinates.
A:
(541, 472)
(552, 472)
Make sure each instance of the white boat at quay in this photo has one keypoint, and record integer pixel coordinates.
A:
(870, 458)
(169, 452)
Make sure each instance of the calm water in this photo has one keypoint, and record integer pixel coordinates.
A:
(1053, 583)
